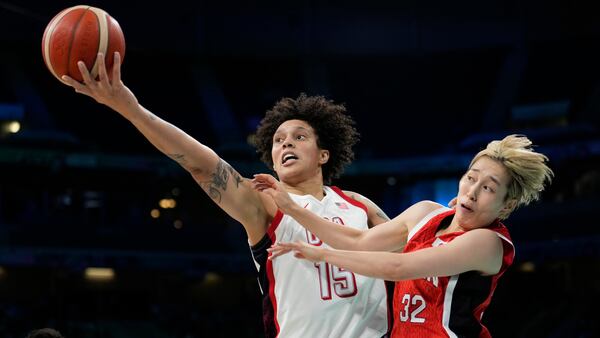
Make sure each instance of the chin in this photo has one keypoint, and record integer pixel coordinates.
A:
(289, 177)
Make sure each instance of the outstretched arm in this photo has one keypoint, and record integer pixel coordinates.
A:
(445, 260)
(388, 236)
(220, 181)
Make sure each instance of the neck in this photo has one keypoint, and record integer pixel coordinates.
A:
(312, 187)
(454, 226)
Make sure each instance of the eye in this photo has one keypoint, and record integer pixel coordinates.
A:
(488, 188)
(277, 140)
(470, 178)
(300, 137)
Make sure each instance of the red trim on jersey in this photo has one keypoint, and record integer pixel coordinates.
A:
(274, 224)
(349, 199)
(271, 232)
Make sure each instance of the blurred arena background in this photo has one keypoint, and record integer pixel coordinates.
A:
(428, 82)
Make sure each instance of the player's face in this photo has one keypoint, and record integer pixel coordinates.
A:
(296, 156)
(481, 194)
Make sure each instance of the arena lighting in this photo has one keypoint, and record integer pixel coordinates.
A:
(167, 203)
(527, 267)
(99, 274)
(13, 127)
(155, 213)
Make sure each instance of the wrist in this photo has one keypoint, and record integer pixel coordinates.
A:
(324, 254)
(293, 210)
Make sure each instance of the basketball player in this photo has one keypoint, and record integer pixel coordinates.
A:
(307, 142)
(450, 260)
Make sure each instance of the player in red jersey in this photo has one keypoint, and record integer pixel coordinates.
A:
(446, 262)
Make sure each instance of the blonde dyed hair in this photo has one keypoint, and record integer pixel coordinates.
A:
(528, 169)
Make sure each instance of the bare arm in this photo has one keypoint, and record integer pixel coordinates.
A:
(445, 260)
(388, 236)
(218, 179)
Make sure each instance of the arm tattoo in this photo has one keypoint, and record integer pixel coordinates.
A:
(382, 214)
(219, 179)
(378, 211)
(238, 179)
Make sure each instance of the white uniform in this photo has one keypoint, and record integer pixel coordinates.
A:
(306, 299)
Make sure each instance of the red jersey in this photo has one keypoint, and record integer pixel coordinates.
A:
(445, 306)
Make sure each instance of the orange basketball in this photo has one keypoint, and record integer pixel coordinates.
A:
(80, 33)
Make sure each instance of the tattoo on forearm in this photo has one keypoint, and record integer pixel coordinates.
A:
(237, 178)
(219, 179)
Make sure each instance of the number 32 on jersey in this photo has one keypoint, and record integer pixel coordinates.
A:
(413, 306)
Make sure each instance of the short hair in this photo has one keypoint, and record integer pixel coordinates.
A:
(528, 170)
(44, 333)
(334, 129)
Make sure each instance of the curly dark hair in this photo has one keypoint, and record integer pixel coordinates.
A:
(334, 129)
(44, 333)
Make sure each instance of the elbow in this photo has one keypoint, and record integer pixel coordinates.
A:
(357, 243)
(395, 271)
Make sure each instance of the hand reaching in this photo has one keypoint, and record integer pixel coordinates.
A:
(452, 203)
(272, 187)
(106, 90)
(302, 250)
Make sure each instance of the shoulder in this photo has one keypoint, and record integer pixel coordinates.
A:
(426, 206)
(353, 195)
(416, 212)
(487, 244)
(423, 208)
(481, 235)
(374, 212)
(483, 241)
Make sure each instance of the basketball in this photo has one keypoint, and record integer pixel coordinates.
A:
(80, 33)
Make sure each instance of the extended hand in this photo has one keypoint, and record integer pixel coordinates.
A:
(301, 250)
(272, 187)
(109, 91)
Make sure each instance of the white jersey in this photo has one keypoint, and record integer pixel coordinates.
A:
(306, 299)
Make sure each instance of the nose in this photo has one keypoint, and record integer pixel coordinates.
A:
(472, 193)
(287, 143)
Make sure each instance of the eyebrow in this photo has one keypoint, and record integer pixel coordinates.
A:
(493, 178)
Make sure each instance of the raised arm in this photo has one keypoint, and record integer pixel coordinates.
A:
(217, 178)
(387, 236)
(444, 260)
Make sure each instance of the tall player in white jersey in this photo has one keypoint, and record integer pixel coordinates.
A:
(446, 262)
(307, 142)
(320, 299)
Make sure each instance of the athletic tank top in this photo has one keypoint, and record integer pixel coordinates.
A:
(305, 299)
(445, 306)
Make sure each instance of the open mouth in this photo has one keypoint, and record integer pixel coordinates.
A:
(288, 157)
(466, 207)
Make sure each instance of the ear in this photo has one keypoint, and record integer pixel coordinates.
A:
(509, 206)
(323, 156)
